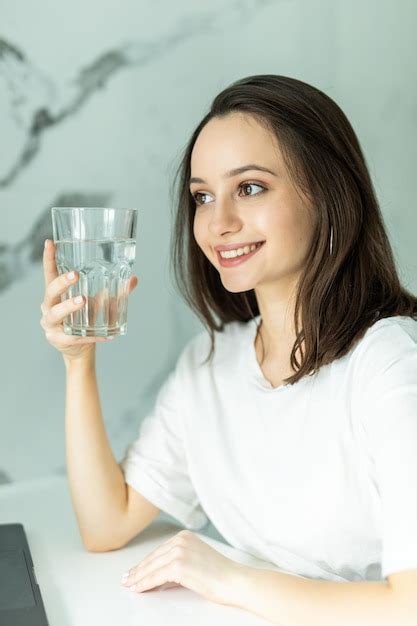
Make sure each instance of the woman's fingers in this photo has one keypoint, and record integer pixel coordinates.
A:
(132, 283)
(55, 284)
(49, 265)
(56, 314)
(53, 308)
(54, 311)
(57, 287)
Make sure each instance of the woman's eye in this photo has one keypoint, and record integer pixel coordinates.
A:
(246, 185)
(198, 195)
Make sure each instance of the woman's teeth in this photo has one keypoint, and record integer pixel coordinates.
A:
(229, 254)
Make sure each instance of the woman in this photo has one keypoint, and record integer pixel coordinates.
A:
(297, 434)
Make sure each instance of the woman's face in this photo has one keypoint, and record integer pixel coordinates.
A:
(249, 206)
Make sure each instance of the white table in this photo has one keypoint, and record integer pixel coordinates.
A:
(81, 588)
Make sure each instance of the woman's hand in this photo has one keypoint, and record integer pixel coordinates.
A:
(54, 311)
(188, 561)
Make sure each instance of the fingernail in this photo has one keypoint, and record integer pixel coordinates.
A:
(78, 299)
(70, 275)
(110, 339)
(46, 242)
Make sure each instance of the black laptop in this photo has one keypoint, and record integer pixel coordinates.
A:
(21, 602)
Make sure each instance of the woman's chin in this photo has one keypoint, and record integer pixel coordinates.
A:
(237, 285)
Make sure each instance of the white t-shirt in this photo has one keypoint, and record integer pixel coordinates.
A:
(318, 478)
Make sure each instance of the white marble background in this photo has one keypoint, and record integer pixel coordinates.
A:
(97, 100)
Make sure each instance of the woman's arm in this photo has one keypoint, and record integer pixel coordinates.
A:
(293, 601)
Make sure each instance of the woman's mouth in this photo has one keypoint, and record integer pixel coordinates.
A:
(233, 257)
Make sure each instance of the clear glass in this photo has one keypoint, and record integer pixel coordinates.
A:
(99, 243)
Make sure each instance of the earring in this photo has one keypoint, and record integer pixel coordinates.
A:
(331, 239)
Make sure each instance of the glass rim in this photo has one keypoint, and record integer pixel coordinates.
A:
(90, 208)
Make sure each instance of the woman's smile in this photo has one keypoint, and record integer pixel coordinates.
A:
(234, 260)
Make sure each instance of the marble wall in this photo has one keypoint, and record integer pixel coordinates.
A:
(97, 101)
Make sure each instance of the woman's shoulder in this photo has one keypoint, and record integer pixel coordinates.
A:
(387, 341)
(398, 330)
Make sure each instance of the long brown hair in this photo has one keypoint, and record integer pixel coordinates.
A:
(340, 295)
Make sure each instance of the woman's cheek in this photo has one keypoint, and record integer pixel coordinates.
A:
(200, 233)
(196, 231)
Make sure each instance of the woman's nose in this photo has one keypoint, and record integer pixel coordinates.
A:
(224, 217)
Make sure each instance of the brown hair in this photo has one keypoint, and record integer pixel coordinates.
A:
(340, 294)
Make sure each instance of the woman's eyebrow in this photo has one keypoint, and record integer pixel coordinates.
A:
(237, 170)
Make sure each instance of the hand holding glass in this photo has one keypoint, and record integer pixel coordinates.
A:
(99, 244)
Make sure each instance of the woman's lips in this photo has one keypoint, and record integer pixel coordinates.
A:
(237, 260)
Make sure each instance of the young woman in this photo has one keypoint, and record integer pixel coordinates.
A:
(291, 422)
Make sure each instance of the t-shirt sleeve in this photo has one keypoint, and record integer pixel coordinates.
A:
(389, 419)
(156, 463)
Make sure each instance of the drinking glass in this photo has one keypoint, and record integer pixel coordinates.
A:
(99, 243)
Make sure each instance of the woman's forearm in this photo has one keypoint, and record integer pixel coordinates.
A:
(96, 482)
(293, 601)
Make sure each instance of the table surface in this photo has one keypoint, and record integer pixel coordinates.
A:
(81, 588)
